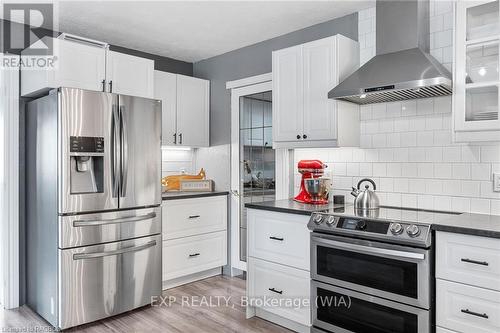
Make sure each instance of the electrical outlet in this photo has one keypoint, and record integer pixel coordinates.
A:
(496, 181)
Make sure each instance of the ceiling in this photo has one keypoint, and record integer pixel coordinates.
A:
(194, 30)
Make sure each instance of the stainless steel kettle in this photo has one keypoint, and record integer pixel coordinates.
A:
(365, 199)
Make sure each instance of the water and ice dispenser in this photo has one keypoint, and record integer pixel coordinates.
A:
(86, 164)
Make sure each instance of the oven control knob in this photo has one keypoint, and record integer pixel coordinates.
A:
(331, 220)
(318, 218)
(396, 228)
(413, 230)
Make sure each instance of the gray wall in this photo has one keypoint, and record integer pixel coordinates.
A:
(254, 60)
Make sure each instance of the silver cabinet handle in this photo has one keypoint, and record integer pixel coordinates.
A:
(369, 250)
(124, 152)
(81, 256)
(472, 313)
(483, 263)
(89, 223)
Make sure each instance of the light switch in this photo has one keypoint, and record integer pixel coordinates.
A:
(496, 182)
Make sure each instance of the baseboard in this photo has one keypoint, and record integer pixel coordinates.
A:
(291, 325)
(191, 278)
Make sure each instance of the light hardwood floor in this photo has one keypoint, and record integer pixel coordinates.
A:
(177, 317)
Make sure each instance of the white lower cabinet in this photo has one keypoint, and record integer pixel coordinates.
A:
(280, 289)
(194, 254)
(278, 268)
(467, 284)
(194, 239)
(464, 308)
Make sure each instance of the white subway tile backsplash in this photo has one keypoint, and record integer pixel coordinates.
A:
(394, 109)
(409, 139)
(379, 169)
(490, 154)
(353, 169)
(394, 169)
(459, 204)
(401, 185)
(409, 108)
(425, 138)
(379, 140)
(425, 170)
(481, 171)
(471, 188)
(409, 200)
(480, 206)
(452, 154)
(379, 111)
(393, 140)
(442, 104)
(442, 203)
(495, 207)
(425, 201)
(434, 154)
(402, 125)
(409, 170)
(471, 154)
(442, 170)
(461, 171)
(425, 106)
(416, 186)
(365, 112)
(386, 126)
(365, 169)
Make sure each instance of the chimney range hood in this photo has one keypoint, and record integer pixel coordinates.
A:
(402, 68)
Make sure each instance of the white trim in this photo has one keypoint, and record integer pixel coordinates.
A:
(9, 87)
(249, 81)
(261, 83)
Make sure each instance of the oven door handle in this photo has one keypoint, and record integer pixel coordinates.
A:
(369, 250)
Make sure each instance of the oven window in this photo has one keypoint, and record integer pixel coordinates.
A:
(391, 275)
(362, 316)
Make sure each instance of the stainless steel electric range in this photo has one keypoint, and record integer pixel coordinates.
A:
(372, 271)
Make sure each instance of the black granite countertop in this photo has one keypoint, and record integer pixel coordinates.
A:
(291, 206)
(466, 223)
(471, 224)
(175, 195)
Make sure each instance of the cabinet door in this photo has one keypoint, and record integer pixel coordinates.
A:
(193, 115)
(320, 75)
(129, 75)
(287, 94)
(165, 87)
(476, 79)
(80, 65)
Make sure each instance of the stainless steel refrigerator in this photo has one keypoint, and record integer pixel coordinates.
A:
(93, 171)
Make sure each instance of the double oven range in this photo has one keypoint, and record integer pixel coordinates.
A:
(374, 272)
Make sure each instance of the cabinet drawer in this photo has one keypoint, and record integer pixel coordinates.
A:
(194, 254)
(278, 237)
(466, 309)
(280, 284)
(468, 259)
(189, 217)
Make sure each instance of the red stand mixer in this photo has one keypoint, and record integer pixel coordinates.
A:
(313, 188)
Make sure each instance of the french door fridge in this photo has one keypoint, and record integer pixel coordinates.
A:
(93, 171)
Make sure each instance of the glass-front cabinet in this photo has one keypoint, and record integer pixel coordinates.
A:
(476, 75)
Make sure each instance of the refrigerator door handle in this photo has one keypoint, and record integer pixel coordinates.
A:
(128, 219)
(124, 152)
(115, 148)
(80, 256)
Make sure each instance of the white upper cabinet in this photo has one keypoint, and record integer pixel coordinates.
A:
(303, 116)
(288, 94)
(193, 114)
(78, 65)
(185, 109)
(166, 91)
(476, 76)
(129, 75)
(87, 64)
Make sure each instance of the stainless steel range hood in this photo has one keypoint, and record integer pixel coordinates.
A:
(402, 69)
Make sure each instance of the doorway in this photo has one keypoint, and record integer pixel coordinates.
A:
(253, 160)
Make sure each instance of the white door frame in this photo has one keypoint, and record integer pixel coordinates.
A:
(239, 88)
(9, 222)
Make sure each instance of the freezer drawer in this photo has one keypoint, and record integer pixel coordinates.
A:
(104, 280)
(90, 229)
